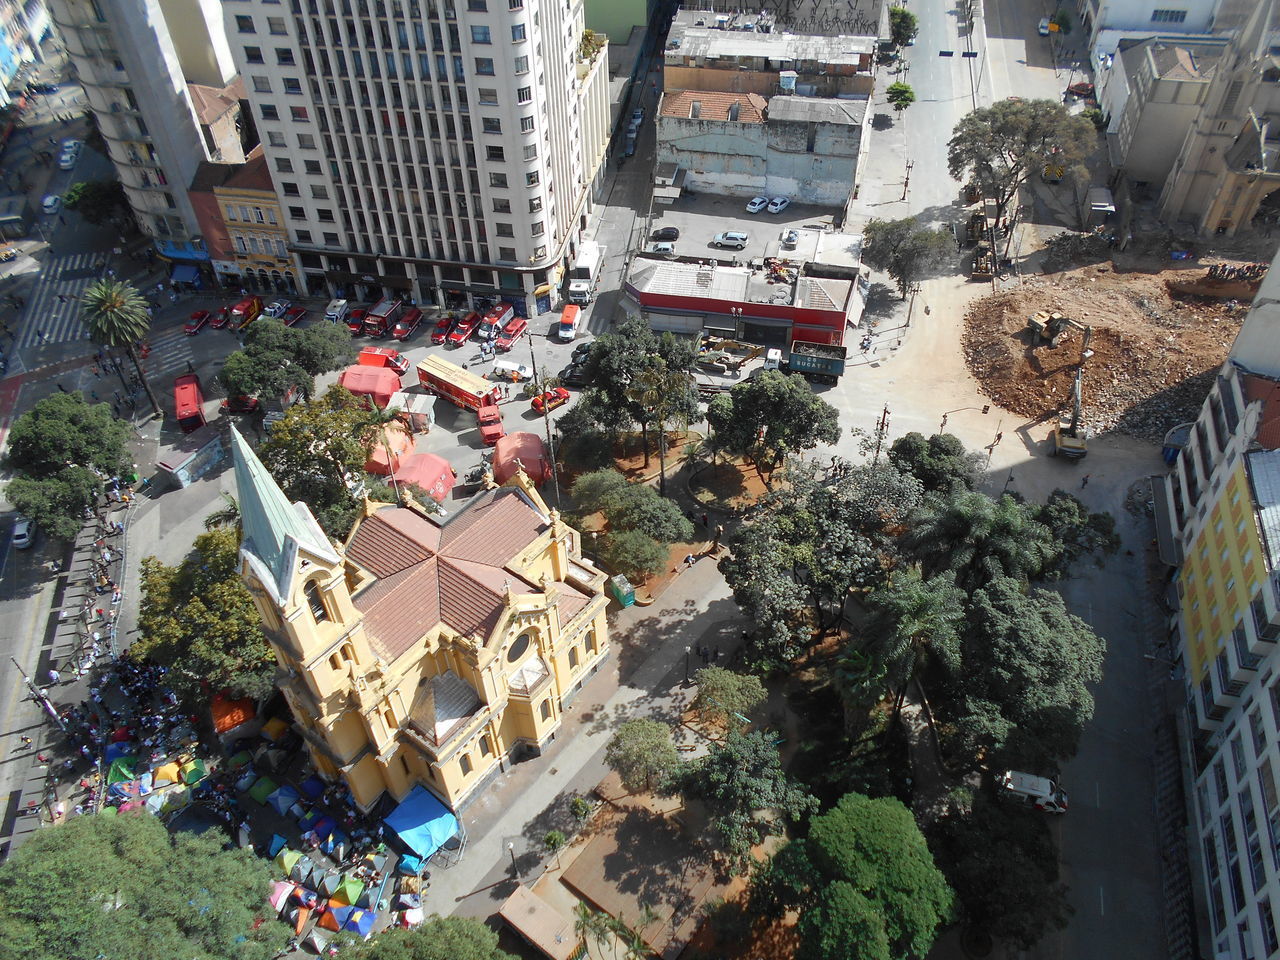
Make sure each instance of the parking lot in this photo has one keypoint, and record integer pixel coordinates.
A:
(702, 216)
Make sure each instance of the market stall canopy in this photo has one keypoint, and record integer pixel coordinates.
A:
(422, 822)
(228, 713)
(379, 384)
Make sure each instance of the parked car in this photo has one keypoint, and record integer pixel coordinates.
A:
(1042, 27)
(241, 404)
(730, 240)
(1084, 90)
(637, 115)
(221, 318)
(462, 332)
(24, 533)
(582, 351)
(52, 203)
(756, 204)
(293, 315)
(550, 399)
(666, 233)
(68, 159)
(442, 328)
(277, 308)
(407, 324)
(195, 322)
(778, 204)
(790, 238)
(44, 87)
(355, 321)
(512, 332)
(8, 252)
(574, 375)
(663, 249)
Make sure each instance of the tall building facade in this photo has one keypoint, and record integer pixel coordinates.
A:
(1218, 524)
(447, 151)
(159, 78)
(24, 25)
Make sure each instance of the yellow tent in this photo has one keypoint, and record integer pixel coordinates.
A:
(167, 773)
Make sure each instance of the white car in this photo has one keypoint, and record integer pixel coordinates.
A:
(731, 240)
(757, 204)
(778, 204)
(24, 533)
(67, 160)
(663, 249)
(1043, 27)
(52, 203)
(72, 145)
(278, 308)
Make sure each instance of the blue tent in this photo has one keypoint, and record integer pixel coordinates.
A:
(422, 822)
(360, 922)
(283, 799)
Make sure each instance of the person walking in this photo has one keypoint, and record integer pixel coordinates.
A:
(1084, 481)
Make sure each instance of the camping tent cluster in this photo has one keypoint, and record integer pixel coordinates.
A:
(160, 788)
(331, 901)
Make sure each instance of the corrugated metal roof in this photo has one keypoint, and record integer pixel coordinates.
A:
(1264, 472)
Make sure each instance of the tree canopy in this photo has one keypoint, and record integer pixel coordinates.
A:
(100, 886)
(902, 26)
(96, 200)
(900, 95)
(999, 147)
(1078, 531)
(770, 416)
(54, 449)
(641, 754)
(199, 620)
(723, 693)
(939, 462)
(907, 250)
(437, 938)
(276, 359)
(865, 883)
(116, 315)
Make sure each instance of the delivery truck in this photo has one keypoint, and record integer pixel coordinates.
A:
(1039, 792)
(382, 317)
(466, 389)
(584, 275)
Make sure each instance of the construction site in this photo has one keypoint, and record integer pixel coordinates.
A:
(1144, 344)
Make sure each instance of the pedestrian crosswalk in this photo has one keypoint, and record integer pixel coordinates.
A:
(52, 312)
(169, 351)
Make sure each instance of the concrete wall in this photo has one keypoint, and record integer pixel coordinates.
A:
(204, 56)
(1151, 133)
(763, 82)
(812, 163)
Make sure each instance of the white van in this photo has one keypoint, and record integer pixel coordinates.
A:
(336, 311)
(1039, 792)
(510, 370)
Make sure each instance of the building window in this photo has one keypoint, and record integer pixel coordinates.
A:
(535, 204)
(507, 254)
(319, 192)
(524, 95)
(282, 249)
(261, 84)
(538, 228)
(477, 6)
(504, 230)
(292, 85)
(389, 719)
(545, 709)
(311, 166)
(522, 64)
(518, 648)
(275, 138)
(269, 111)
(299, 113)
(284, 165)
(532, 179)
(494, 153)
(253, 55)
(404, 764)
(289, 190)
(491, 125)
(517, 32)
(515, 4)
(526, 125)
(539, 252)
(573, 658)
(484, 66)
(297, 213)
(486, 748)
(488, 97)
(325, 215)
(1268, 922)
(284, 56)
(464, 764)
(275, 26)
(480, 35)
(244, 24)
(306, 141)
(1166, 16)
(241, 246)
(315, 602)
(498, 180)
(330, 239)
(501, 205)
(531, 151)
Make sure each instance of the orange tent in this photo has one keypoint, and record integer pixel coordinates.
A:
(391, 444)
(228, 713)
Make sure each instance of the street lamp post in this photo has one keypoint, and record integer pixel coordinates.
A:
(687, 651)
(515, 868)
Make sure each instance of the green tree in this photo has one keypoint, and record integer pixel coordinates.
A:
(198, 619)
(96, 200)
(940, 462)
(633, 553)
(1025, 669)
(736, 780)
(999, 147)
(902, 26)
(771, 416)
(723, 693)
(900, 95)
(438, 938)
(583, 444)
(662, 394)
(1003, 864)
(54, 449)
(116, 316)
(276, 359)
(865, 883)
(905, 249)
(980, 539)
(100, 886)
(227, 515)
(317, 453)
(641, 754)
(597, 491)
(637, 506)
(1078, 531)
(554, 841)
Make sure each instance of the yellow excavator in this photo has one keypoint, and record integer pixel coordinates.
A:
(1070, 435)
(1048, 328)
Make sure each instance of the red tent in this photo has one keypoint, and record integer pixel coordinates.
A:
(433, 474)
(529, 450)
(390, 446)
(377, 383)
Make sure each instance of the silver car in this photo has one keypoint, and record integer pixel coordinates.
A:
(24, 533)
(731, 240)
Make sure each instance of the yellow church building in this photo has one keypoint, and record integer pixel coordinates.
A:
(423, 650)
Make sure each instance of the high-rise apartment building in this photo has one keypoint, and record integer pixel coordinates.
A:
(24, 25)
(446, 151)
(159, 78)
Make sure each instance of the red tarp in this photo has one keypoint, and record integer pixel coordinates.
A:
(377, 383)
(433, 474)
(529, 450)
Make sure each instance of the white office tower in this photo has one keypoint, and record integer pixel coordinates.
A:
(159, 78)
(446, 151)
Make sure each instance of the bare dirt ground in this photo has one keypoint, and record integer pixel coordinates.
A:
(1154, 354)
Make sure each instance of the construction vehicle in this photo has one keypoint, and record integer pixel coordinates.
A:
(1048, 328)
(976, 228)
(984, 263)
(1070, 435)
(816, 362)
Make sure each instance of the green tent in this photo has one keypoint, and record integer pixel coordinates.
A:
(241, 759)
(286, 859)
(193, 771)
(122, 769)
(349, 890)
(264, 788)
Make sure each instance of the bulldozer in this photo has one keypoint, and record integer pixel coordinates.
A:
(1070, 435)
(1048, 328)
(984, 265)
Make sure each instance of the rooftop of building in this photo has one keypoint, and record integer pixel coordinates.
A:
(712, 36)
(819, 110)
(456, 571)
(250, 175)
(211, 103)
(713, 105)
(744, 284)
(1264, 474)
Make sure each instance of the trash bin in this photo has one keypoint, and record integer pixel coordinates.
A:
(622, 590)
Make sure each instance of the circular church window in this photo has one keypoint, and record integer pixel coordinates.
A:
(518, 648)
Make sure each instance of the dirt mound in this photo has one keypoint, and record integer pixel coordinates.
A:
(1154, 355)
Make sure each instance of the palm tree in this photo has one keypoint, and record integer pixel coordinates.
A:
(659, 391)
(589, 923)
(227, 515)
(116, 315)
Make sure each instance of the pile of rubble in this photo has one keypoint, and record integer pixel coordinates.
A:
(1153, 356)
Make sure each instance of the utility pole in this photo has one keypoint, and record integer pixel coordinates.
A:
(546, 423)
(40, 697)
(882, 428)
(907, 182)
